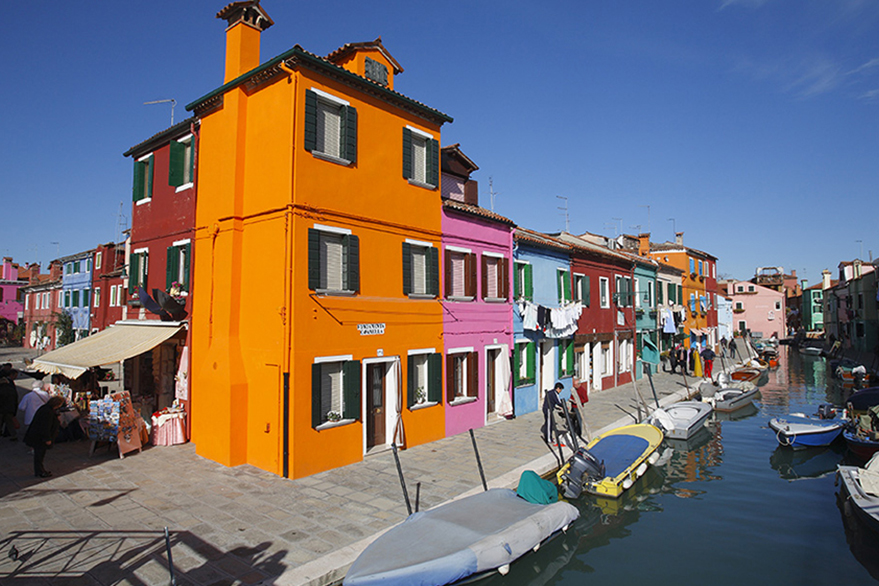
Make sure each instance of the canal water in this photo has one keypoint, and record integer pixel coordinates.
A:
(728, 507)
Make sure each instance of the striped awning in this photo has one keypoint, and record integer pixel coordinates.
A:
(115, 344)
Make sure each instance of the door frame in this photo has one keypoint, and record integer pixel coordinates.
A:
(547, 365)
(501, 356)
(390, 397)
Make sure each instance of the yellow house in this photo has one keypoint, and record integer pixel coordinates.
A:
(318, 332)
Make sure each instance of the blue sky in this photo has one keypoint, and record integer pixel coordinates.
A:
(754, 124)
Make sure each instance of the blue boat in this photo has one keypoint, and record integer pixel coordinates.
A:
(802, 432)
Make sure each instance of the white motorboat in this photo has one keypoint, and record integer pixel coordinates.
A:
(731, 398)
(681, 420)
(861, 486)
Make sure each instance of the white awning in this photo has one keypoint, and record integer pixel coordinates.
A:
(118, 342)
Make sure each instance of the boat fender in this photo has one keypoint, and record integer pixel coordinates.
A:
(504, 570)
(535, 548)
(627, 484)
(565, 528)
(654, 458)
(641, 469)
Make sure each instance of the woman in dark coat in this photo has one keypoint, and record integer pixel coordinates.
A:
(41, 433)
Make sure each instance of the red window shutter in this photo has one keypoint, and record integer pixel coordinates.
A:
(505, 277)
(448, 263)
(450, 378)
(473, 374)
(484, 276)
(470, 275)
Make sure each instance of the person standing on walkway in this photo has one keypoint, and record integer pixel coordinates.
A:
(723, 346)
(553, 416)
(708, 356)
(8, 402)
(673, 358)
(732, 347)
(41, 433)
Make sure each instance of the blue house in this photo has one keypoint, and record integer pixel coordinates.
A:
(76, 290)
(645, 302)
(544, 318)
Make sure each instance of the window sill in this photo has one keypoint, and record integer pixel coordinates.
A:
(462, 401)
(184, 187)
(336, 293)
(331, 158)
(332, 424)
(420, 184)
(421, 296)
(140, 202)
(495, 300)
(424, 405)
(468, 298)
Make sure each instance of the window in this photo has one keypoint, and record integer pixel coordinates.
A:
(740, 288)
(98, 259)
(750, 288)
(74, 298)
(335, 390)
(651, 293)
(460, 274)
(672, 293)
(495, 277)
(76, 267)
(143, 179)
(177, 262)
(700, 268)
(659, 295)
(582, 291)
(138, 269)
(330, 127)
(333, 260)
(424, 378)
(778, 305)
(462, 381)
(420, 269)
(524, 356)
(603, 293)
(68, 268)
(97, 296)
(693, 266)
(606, 359)
(420, 158)
(60, 299)
(563, 285)
(739, 306)
(743, 326)
(88, 265)
(623, 287)
(27, 299)
(680, 294)
(624, 355)
(566, 357)
(692, 303)
(859, 329)
(181, 164)
(523, 287)
(86, 297)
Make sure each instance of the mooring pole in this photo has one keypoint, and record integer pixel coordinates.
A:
(170, 559)
(478, 460)
(402, 480)
(652, 388)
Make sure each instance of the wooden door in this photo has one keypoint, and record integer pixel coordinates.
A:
(375, 405)
(491, 381)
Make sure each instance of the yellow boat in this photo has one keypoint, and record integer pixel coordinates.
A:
(612, 462)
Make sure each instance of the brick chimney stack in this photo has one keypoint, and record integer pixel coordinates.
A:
(679, 238)
(246, 21)
(643, 243)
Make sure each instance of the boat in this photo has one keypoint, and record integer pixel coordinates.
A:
(860, 444)
(861, 487)
(802, 432)
(734, 397)
(810, 350)
(750, 375)
(468, 537)
(681, 420)
(859, 401)
(612, 462)
(804, 464)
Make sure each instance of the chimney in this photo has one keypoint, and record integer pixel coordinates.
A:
(54, 270)
(33, 273)
(643, 243)
(246, 20)
(825, 280)
(679, 238)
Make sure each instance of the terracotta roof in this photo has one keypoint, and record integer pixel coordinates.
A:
(296, 57)
(454, 150)
(160, 138)
(584, 245)
(349, 48)
(662, 246)
(539, 239)
(476, 211)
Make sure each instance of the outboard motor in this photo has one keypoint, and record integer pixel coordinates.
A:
(583, 466)
(826, 411)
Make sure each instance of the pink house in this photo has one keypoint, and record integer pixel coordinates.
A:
(478, 319)
(758, 309)
(11, 302)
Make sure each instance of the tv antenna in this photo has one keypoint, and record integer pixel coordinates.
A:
(619, 222)
(648, 216)
(673, 225)
(565, 209)
(491, 193)
(171, 101)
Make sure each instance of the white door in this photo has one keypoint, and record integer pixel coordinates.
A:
(547, 366)
(597, 363)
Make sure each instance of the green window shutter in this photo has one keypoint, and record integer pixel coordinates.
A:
(172, 264)
(530, 364)
(569, 357)
(310, 120)
(75, 300)
(407, 268)
(313, 259)
(680, 295)
(410, 381)
(517, 364)
(517, 268)
(435, 377)
(150, 171)
(192, 159)
(566, 282)
(317, 410)
(134, 273)
(138, 185)
(659, 293)
(177, 155)
(351, 389)
(559, 287)
(407, 153)
(560, 358)
(352, 247)
(529, 285)
(587, 290)
(187, 260)
(433, 271)
(349, 116)
(433, 162)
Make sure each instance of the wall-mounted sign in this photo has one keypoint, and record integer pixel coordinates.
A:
(371, 329)
(621, 318)
(376, 71)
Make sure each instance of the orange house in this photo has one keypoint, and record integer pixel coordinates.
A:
(318, 332)
(699, 281)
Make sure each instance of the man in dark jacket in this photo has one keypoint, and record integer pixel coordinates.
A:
(708, 356)
(41, 433)
(8, 401)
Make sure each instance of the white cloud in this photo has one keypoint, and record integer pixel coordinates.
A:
(817, 77)
(871, 64)
(870, 95)
(744, 3)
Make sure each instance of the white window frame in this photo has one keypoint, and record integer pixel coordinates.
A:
(98, 258)
(499, 259)
(465, 297)
(519, 276)
(188, 166)
(144, 200)
(604, 292)
(651, 294)
(425, 247)
(329, 100)
(425, 138)
(96, 297)
(467, 397)
(338, 232)
(579, 279)
(341, 390)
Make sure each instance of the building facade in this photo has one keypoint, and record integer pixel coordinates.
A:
(108, 286)
(757, 310)
(76, 291)
(43, 300)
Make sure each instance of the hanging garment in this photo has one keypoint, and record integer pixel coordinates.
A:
(504, 399)
(669, 325)
(528, 311)
(543, 317)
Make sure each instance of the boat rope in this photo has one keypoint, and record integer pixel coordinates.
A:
(785, 440)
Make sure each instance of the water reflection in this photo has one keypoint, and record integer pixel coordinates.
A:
(809, 463)
(862, 541)
(745, 412)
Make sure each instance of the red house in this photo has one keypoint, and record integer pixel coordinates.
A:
(42, 300)
(108, 285)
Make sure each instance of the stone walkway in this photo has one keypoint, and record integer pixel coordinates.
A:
(100, 520)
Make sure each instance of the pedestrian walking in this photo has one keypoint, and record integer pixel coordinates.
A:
(732, 348)
(673, 358)
(723, 347)
(41, 433)
(708, 357)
